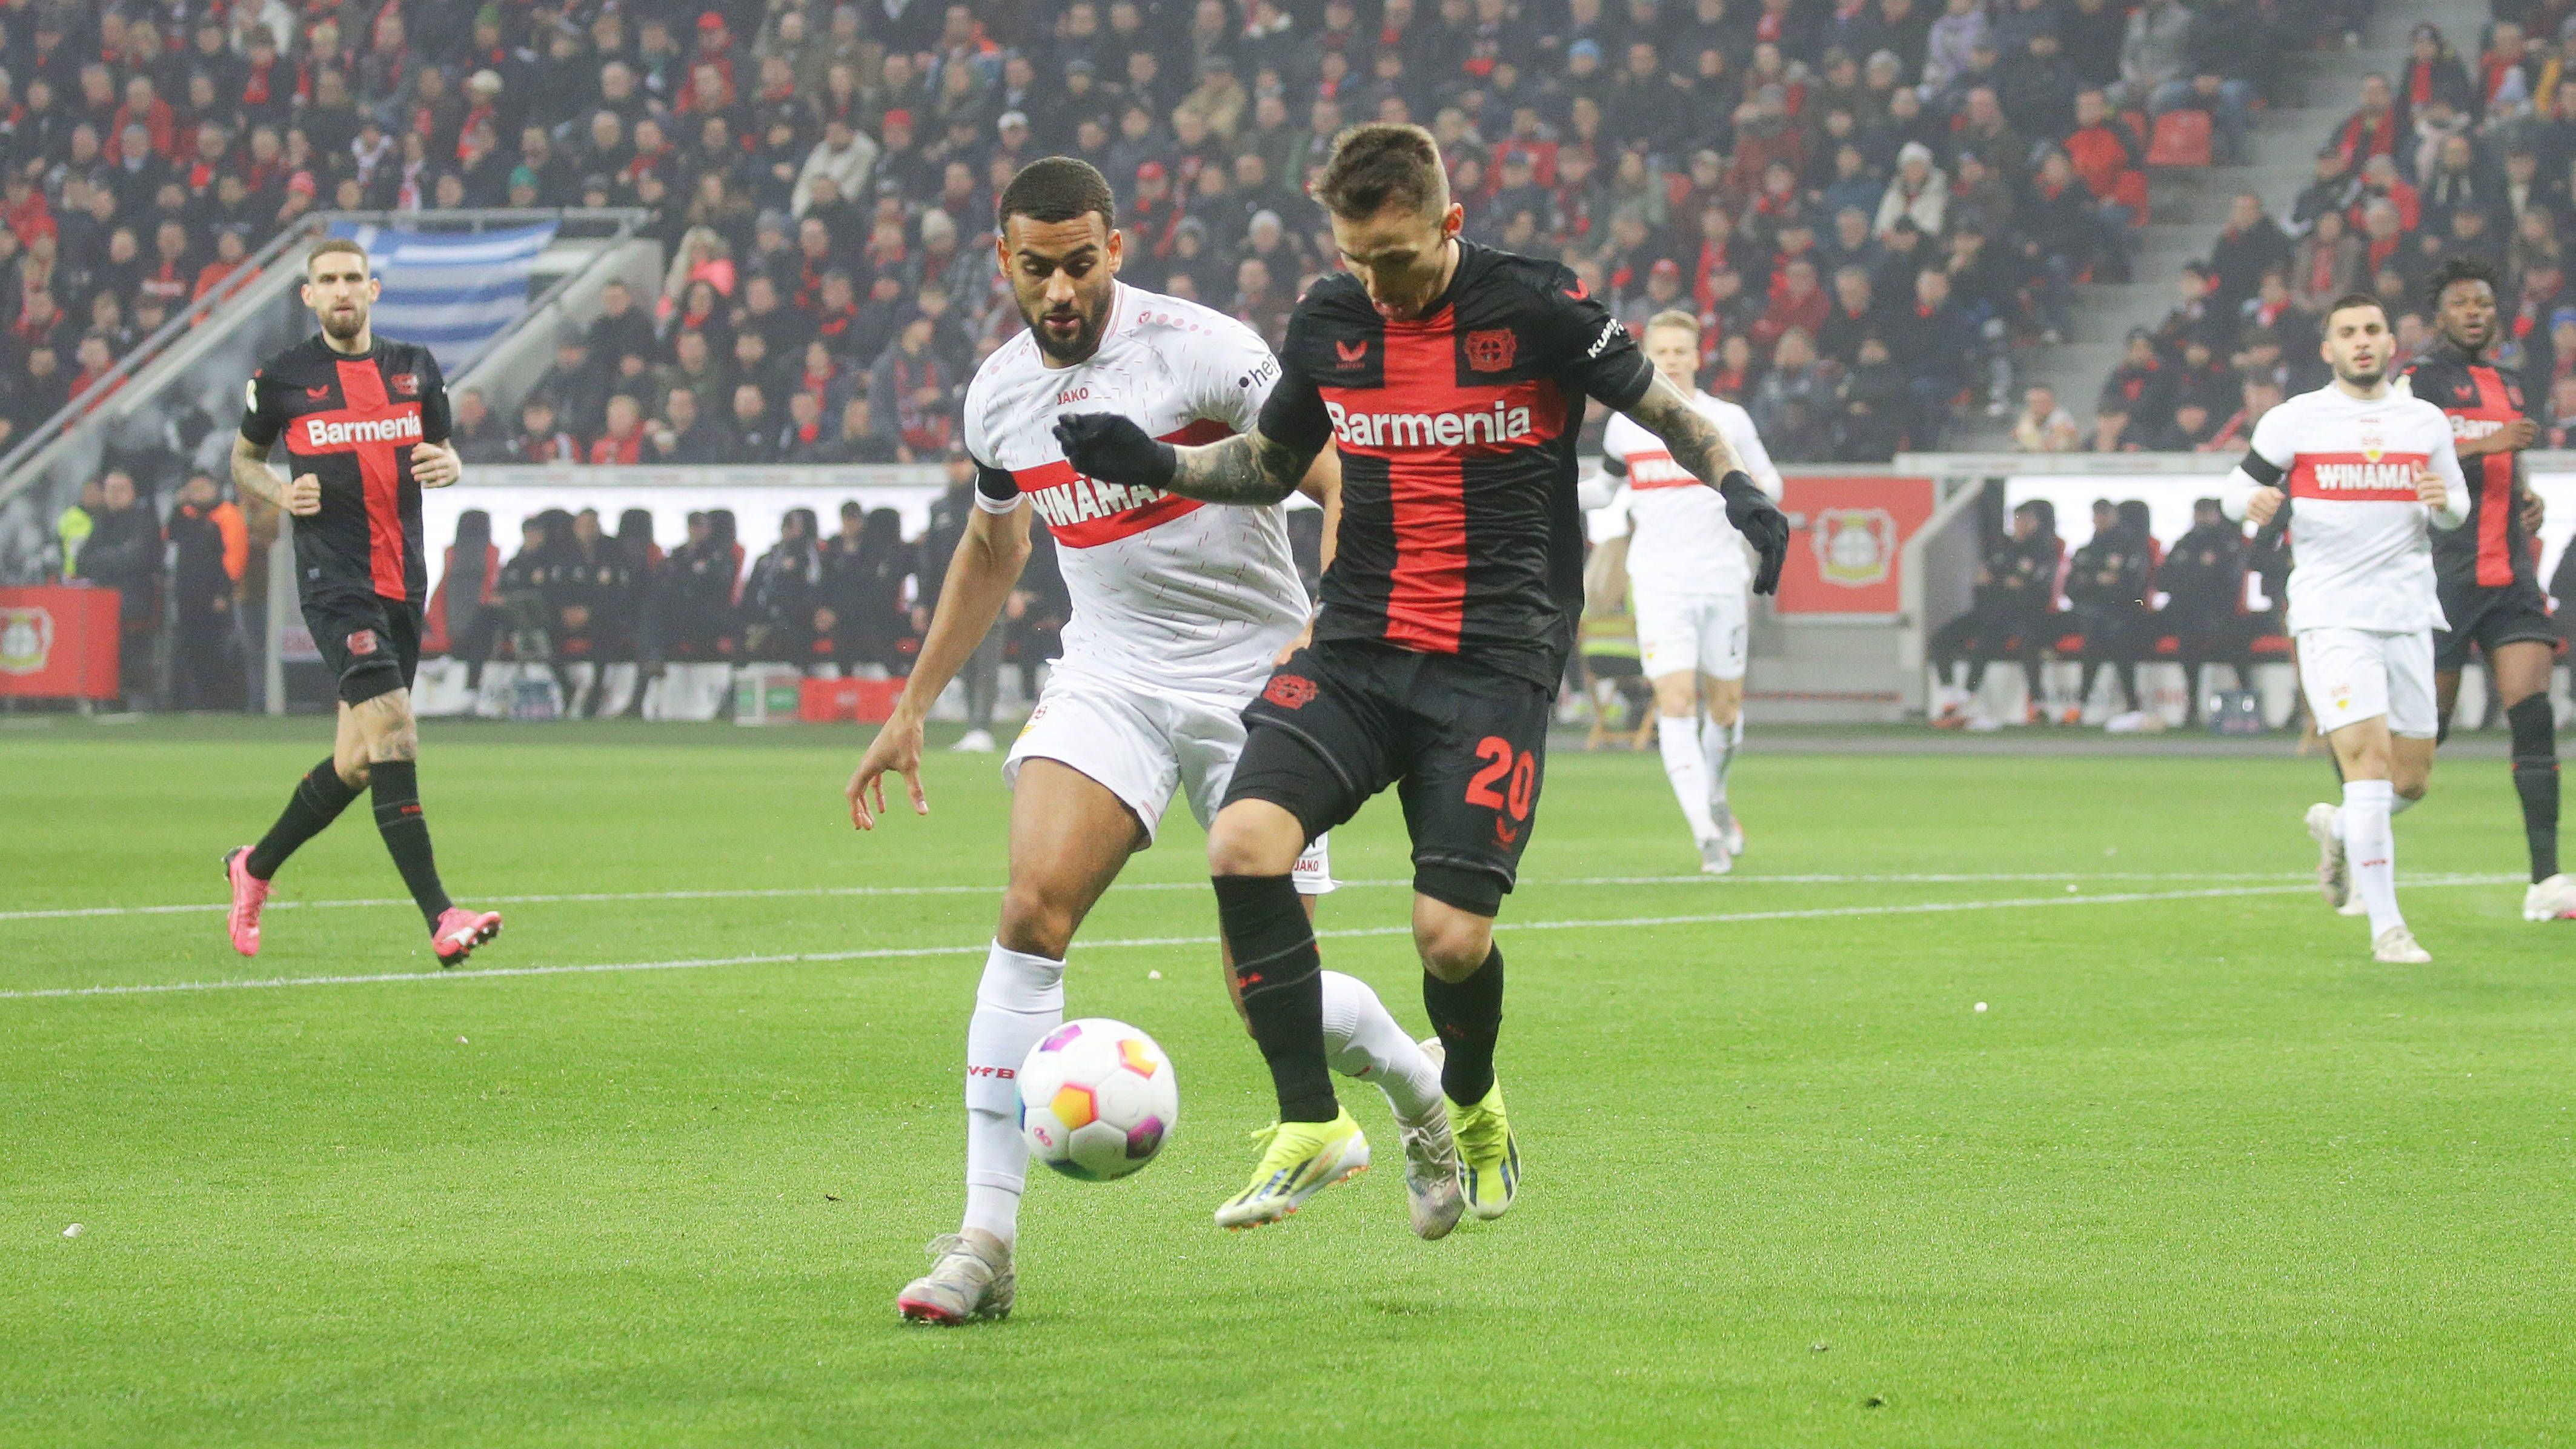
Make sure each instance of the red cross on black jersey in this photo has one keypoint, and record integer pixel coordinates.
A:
(1460, 533)
(351, 422)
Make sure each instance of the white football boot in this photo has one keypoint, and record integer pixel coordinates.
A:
(2396, 947)
(970, 1278)
(2553, 899)
(1431, 1189)
(2334, 874)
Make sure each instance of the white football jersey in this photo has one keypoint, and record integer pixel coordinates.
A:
(1168, 593)
(1679, 540)
(2361, 557)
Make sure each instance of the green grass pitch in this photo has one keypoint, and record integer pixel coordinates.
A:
(2202, 1174)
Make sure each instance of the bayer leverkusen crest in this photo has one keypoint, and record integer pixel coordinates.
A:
(26, 640)
(1855, 547)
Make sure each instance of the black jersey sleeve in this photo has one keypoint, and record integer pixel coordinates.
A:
(437, 419)
(1597, 354)
(263, 413)
(1294, 412)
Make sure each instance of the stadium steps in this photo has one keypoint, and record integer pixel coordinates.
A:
(2187, 209)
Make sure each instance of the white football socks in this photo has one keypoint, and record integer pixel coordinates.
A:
(2370, 850)
(1687, 768)
(1362, 1039)
(1717, 745)
(1019, 1000)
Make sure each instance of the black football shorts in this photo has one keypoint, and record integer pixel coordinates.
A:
(2486, 619)
(1464, 746)
(370, 641)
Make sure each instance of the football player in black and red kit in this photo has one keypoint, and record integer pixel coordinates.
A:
(1452, 378)
(2486, 571)
(365, 423)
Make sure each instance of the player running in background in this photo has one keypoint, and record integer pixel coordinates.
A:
(1452, 378)
(365, 424)
(2489, 586)
(2364, 468)
(1692, 587)
(1179, 610)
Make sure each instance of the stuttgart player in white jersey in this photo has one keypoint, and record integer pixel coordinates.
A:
(1691, 580)
(2366, 473)
(1179, 610)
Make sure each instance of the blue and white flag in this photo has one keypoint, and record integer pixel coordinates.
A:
(453, 292)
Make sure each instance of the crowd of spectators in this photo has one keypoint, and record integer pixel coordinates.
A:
(2449, 156)
(1870, 204)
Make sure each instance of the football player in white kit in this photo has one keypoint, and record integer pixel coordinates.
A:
(1179, 611)
(2364, 471)
(1691, 581)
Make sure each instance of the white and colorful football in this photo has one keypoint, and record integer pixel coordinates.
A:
(1097, 1099)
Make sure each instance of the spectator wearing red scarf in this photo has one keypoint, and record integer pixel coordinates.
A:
(2373, 129)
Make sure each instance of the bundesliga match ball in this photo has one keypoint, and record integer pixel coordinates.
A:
(1097, 1099)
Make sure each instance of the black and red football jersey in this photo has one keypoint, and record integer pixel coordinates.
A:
(2491, 550)
(351, 422)
(1460, 533)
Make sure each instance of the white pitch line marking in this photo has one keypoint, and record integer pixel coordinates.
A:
(884, 953)
(64, 913)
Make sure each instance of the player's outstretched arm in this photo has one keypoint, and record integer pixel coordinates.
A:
(1699, 447)
(980, 577)
(1246, 468)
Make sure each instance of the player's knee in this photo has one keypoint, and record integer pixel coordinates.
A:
(1254, 837)
(1453, 943)
(1674, 696)
(1035, 922)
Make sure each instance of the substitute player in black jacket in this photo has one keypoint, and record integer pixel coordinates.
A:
(1452, 378)
(365, 423)
(2490, 593)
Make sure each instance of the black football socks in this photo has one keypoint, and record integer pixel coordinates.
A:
(406, 833)
(2535, 779)
(1279, 974)
(1468, 1015)
(318, 800)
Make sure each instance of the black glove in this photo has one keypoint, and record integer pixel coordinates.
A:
(1760, 521)
(1114, 450)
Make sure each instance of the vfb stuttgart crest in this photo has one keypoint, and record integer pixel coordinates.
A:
(26, 640)
(2373, 441)
(1854, 546)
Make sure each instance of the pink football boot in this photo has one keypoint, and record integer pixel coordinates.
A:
(249, 894)
(460, 931)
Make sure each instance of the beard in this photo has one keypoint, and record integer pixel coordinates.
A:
(342, 327)
(2362, 376)
(1085, 339)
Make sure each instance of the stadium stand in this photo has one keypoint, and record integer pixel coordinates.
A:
(1878, 208)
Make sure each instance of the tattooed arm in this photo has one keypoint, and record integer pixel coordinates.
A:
(1694, 441)
(1698, 446)
(1246, 468)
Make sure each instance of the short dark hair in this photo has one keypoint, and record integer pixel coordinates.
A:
(2462, 267)
(1379, 165)
(330, 244)
(1057, 188)
(2345, 303)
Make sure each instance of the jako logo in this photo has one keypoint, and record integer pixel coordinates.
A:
(1502, 424)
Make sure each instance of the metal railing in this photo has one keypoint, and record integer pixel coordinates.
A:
(19, 465)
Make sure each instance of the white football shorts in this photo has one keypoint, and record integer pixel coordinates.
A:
(1680, 632)
(1140, 747)
(2355, 674)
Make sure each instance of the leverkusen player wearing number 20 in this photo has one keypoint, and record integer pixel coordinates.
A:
(364, 422)
(1179, 612)
(1452, 377)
